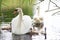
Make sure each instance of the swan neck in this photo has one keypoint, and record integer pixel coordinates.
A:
(20, 17)
(21, 14)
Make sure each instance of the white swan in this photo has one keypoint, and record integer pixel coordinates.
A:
(38, 23)
(21, 23)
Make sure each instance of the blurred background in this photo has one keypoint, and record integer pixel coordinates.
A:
(7, 7)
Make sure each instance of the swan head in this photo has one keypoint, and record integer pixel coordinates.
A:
(37, 21)
(18, 10)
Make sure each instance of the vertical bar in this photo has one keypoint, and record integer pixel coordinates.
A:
(45, 34)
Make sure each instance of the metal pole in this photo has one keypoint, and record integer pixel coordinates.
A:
(45, 34)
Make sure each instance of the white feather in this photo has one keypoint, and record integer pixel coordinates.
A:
(23, 27)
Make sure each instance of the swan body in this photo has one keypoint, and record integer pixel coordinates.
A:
(21, 24)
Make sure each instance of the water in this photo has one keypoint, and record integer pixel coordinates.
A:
(6, 35)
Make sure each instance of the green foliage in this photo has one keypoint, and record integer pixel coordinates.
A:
(0, 9)
(7, 7)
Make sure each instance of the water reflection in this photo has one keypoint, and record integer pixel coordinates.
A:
(5, 35)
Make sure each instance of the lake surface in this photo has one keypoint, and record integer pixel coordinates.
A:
(6, 35)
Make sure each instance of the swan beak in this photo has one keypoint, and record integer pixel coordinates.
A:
(15, 11)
